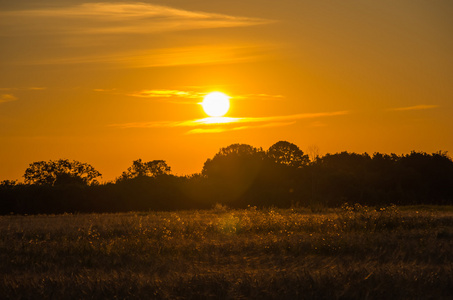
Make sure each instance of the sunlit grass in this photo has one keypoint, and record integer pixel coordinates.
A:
(352, 252)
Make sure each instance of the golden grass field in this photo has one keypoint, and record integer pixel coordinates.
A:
(350, 253)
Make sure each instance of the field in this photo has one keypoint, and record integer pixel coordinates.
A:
(350, 253)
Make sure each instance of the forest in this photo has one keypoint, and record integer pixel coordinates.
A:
(238, 176)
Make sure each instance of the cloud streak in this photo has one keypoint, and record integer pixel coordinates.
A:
(167, 94)
(192, 94)
(222, 124)
(220, 129)
(167, 57)
(415, 107)
(7, 98)
(188, 94)
(260, 96)
(124, 35)
(170, 96)
(115, 18)
(32, 88)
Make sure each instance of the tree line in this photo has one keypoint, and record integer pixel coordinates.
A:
(239, 175)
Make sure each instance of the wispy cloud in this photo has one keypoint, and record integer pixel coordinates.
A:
(170, 96)
(37, 88)
(7, 98)
(220, 129)
(188, 94)
(221, 124)
(33, 88)
(116, 18)
(167, 94)
(109, 31)
(294, 117)
(105, 90)
(415, 107)
(317, 124)
(190, 123)
(260, 96)
(178, 56)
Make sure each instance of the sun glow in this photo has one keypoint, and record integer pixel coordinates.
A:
(216, 104)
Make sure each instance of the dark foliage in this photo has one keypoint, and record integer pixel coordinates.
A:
(61, 172)
(145, 169)
(287, 154)
(237, 176)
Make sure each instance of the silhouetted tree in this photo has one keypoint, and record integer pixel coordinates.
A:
(61, 172)
(238, 175)
(8, 183)
(232, 171)
(345, 161)
(428, 175)
(232, 160)
(313, 152)
(288, 154)
(341, 177)
(145, 169)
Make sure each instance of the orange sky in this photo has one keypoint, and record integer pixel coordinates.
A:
(108, 82)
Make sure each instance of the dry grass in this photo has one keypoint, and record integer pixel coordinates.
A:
(354, 252)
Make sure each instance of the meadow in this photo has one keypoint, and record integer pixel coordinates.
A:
(352, 252)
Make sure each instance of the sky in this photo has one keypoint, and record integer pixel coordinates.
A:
(109, 82)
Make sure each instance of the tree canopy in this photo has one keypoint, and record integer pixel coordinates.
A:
(61, 172)
(140, 168)
(238, 175)
(288, 154)
(234, 159)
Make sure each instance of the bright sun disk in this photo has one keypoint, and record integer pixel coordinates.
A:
(216, 104)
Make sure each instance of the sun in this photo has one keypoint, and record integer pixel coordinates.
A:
(216, 104)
